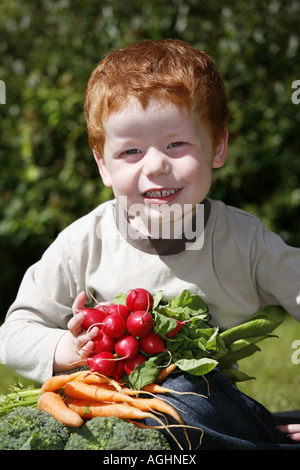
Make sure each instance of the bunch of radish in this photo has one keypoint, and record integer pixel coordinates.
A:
(126, 335)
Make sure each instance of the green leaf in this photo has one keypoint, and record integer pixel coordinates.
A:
(157, 298)
(163, 324)
(212, 342)
(196, 366)
(193, 301)
(183, 306)
(144, 374)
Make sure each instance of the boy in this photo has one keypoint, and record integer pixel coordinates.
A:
(158, 124)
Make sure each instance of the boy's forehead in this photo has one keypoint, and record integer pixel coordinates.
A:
(152, 109)
(134, 114)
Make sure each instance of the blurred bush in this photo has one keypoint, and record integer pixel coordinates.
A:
(48, 49)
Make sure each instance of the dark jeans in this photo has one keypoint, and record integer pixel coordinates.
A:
(230, 419)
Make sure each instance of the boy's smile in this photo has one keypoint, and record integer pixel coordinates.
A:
(160, 196)
(158, 156)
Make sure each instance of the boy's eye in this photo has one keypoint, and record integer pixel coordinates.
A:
(175, 144)
(131, 152)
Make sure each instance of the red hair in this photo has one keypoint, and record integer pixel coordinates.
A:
(168, 70)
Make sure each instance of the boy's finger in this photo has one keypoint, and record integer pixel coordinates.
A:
(74, 324)
(79, 302)
(87, 350)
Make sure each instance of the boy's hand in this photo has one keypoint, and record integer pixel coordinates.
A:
(293, 430)
(77, 344)
(83, 343)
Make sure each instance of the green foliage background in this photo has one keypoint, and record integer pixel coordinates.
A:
(47, 51)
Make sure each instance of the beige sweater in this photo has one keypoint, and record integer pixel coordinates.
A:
(241, 268)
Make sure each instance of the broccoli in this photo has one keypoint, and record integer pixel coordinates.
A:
(115, 434)
(27, 428)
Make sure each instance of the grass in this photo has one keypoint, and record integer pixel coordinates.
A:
(7, 378)
(277, 380)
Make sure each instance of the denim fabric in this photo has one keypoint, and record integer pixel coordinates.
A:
(230, 419)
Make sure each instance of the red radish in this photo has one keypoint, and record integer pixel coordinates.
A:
(127, 346)
(114, 325)
(139, 299)
(121, 309)
(120, 370)
(131, 364)
(152, 343)
(139, 323)
(93, 316)
(104, 363)
(102, 342)
(177, 328)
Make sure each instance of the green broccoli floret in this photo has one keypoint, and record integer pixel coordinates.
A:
(115, 434)
(27, 428)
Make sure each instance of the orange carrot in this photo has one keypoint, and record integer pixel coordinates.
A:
(53, 403)
(58, 381)
(95, 379)
(81, 390)
(91, 409)
(165, 372)
(92, 378)
(155, 388)
(155, 404)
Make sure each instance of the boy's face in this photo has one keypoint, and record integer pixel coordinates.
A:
(158, 156)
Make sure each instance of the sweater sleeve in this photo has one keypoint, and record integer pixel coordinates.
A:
(276, 271)
(39, 315)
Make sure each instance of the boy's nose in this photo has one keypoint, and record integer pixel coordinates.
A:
(155, 163)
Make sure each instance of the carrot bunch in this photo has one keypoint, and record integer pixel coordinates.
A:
(74, 398)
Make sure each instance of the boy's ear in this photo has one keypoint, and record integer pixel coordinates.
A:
(102, 168)
(220, 152)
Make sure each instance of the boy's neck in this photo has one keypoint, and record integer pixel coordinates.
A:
(158, 246)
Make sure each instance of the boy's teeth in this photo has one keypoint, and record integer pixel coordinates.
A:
(162, 193)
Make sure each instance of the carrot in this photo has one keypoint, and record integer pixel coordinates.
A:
(136, 393)
(92, 378)
(165, 372)
(155, 388)
(91, 409)
(155, 404)
(95, 379)
(53, 403)
(58, 381)
(81, 390)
